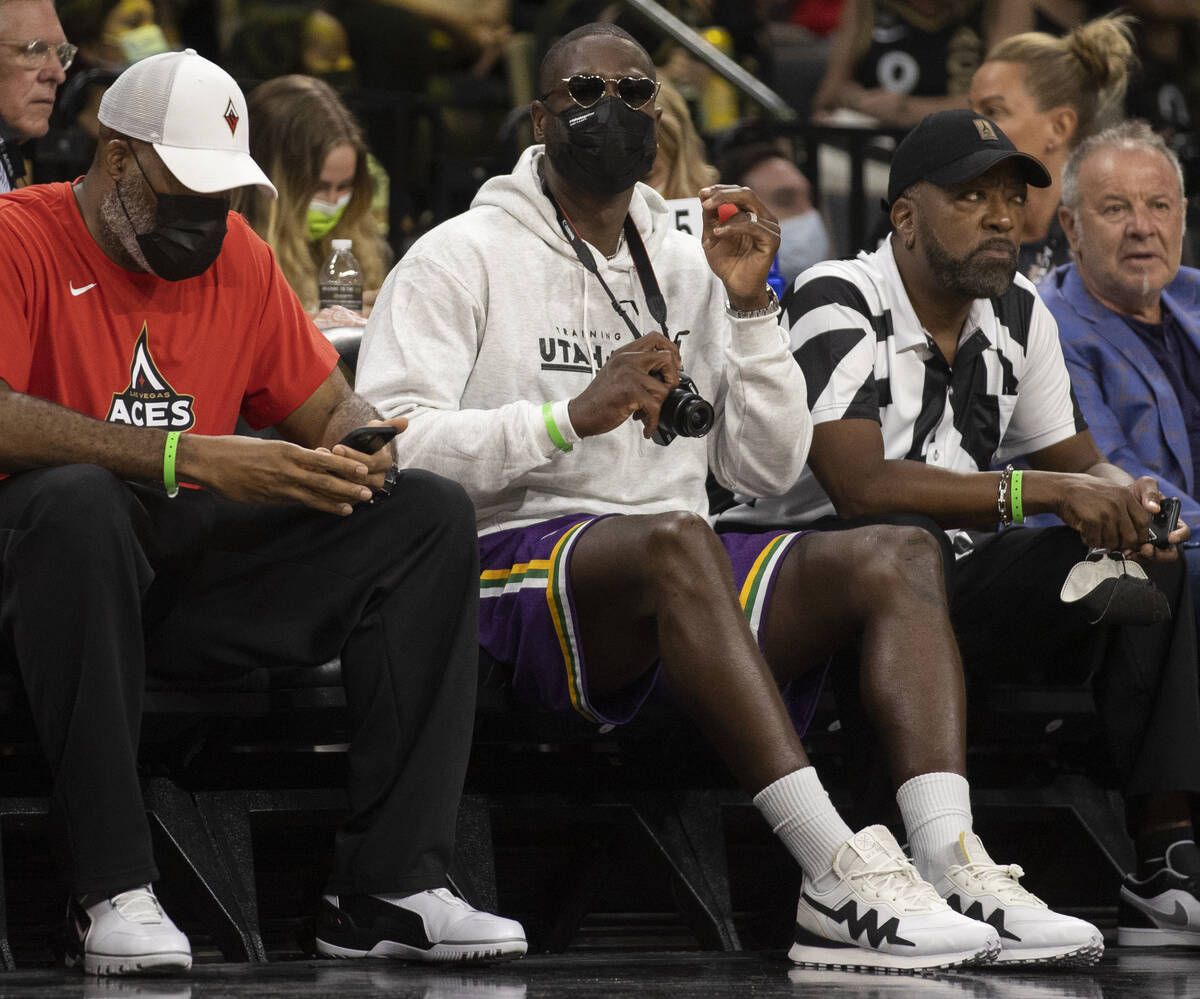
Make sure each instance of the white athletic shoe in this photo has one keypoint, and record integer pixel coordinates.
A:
(432, 925)
(125, 935)
(874, 912)
(1162, 910)
(1030, 931)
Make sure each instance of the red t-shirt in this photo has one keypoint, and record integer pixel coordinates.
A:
(129, 347)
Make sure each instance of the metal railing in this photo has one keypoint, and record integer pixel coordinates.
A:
(658, 17)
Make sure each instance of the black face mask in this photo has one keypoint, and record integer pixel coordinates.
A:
(187, 235)
(604, 149)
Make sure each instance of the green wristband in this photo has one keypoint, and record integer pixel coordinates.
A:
(560, 441)
(1014, 500)
(169, 463)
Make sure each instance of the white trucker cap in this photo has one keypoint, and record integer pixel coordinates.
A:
(194, 114)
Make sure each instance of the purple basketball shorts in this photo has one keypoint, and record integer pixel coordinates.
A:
(528, 618)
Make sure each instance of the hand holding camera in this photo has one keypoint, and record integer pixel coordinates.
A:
(644, 380)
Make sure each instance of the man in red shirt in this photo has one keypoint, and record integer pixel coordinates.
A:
(138, 319)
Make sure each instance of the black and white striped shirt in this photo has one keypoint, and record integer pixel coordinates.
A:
(865, 355)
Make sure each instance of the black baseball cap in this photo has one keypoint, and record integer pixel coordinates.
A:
(949, 147)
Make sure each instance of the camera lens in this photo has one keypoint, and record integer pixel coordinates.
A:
(693, 417)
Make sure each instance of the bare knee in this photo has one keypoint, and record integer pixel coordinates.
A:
(681, 548)
(898, 564)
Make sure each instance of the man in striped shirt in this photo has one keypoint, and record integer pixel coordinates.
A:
(928, 363)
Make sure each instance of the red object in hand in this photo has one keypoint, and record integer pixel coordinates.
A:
(726, 211)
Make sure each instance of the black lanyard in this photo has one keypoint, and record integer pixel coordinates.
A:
(641, 260)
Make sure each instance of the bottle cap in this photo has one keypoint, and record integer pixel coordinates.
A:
(342, 244)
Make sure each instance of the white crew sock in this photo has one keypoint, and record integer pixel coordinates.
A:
(802, 816)
(936, 809)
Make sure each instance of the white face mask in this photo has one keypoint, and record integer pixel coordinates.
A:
(139, 43)
(803, 242)
(330, 208)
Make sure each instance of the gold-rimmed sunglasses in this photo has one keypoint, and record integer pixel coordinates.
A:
(586, 91)
(32, 54)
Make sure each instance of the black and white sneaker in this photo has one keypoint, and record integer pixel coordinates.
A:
(432, 925)
(873, 912)
(1030, 931)
(125, 935)
(1164, 909)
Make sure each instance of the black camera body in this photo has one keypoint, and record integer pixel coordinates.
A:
(1163, 522)
(684, 413)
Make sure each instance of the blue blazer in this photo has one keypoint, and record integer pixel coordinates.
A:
(1126, 398)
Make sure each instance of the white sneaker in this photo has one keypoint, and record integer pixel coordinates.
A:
(432, 925)
(874, 912)
(124, 935)
(1030, 931)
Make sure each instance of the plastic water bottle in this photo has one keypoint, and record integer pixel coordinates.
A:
(339, 281)
(775, 278)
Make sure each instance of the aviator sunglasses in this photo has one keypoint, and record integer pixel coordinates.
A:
(586, 91)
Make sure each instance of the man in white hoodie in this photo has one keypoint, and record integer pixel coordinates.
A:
(519, 339)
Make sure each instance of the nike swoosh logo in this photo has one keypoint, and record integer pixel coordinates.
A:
(80, 291)
(1178, 917)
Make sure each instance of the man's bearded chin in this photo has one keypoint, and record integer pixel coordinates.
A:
(970, 277)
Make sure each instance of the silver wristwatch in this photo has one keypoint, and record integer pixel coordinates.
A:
(769, 309)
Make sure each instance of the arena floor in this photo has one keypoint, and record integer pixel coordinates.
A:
(1122, 974)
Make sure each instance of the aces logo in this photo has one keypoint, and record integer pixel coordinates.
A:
(149, 400)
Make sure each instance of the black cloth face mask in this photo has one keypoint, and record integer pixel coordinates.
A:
(188, 232)
(604, 149)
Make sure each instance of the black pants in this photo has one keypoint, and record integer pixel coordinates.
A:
(1009, 621)
(101, 579)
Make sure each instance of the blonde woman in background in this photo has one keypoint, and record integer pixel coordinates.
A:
(313, 150)
(680, 169)
(1049, 94)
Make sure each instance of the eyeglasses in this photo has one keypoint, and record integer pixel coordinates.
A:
(635, 91)
(32, 55)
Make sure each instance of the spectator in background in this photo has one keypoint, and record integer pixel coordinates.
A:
(312, 148)
(33, 62)
(794, 44)
(899, 60)
(680, 168)
(768, 169)
(1129, 322)
(111, 34)
(1049, 94)
(277, 39)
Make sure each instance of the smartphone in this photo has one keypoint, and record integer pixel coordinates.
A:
(1164, 522)
(368, 440)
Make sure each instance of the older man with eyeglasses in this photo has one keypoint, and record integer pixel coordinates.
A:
(34, 56)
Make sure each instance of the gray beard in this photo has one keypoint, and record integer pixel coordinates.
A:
(969, 277)
(125, 228)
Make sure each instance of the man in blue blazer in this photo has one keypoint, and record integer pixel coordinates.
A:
(1128, 315)
(1129, 322)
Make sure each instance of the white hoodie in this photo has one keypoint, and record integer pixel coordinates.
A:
(490, 315)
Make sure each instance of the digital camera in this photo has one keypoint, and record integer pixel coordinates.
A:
(684, 413)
